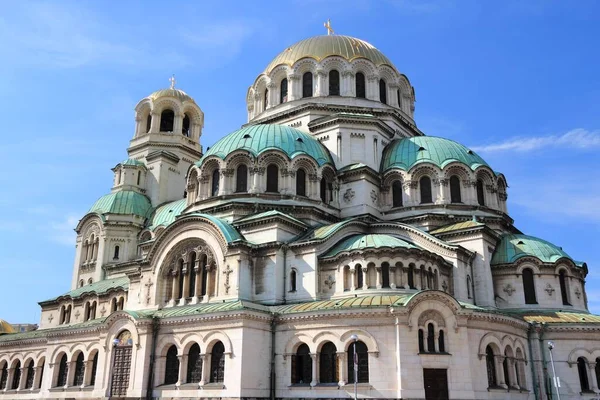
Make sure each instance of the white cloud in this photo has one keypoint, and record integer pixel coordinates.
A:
(576, 138)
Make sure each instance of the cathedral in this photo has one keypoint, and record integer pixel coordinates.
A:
(326, 249)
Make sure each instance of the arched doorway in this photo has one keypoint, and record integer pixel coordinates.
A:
(121, 365)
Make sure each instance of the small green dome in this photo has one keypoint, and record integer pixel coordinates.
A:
(166, 214)
(257, 139)
(362, 242)
(408, 152)
(512, 247)
(125, 202)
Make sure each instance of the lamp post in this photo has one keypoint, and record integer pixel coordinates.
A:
(554, 379)
(355, 362)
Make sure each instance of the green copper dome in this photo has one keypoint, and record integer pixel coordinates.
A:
(408, 152)
(257, 139)
(362, 242)
(512, 247)
(126, 202)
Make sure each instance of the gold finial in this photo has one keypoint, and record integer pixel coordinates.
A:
(327, 25)
(173, 81)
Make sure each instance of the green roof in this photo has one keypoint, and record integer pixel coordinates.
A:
(457, 227)
(131, 161)
(97, 288)
(269, 214)
(408, 152)
(228, 231)
(165, 214)
(344, 303)
(125, 202)
(368, 241)
(257, 139)
(324, 231)
(513, 246)
(559, 317)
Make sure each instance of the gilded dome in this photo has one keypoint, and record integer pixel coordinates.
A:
(320, 47)
(5, 327)
(177, 93)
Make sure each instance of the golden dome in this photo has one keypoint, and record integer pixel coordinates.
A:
(5, 327)
(320, 47)
(177, 93)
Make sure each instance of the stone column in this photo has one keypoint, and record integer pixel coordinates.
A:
(205, 368)
(320, 89)
(221, 183)
(23, 379)
(512, 371)
(372, 88)
(393, 276)
(174, 287)
(353, 278)
(341, 361)
(37, 384)
(9, 378)
(347, 87)
(591, 375)
(87, 375)
(500, 371)
(393, 94)
(293, 87)
(186, 280)
(71, 373)
(315, 370)
(181, 378)
(178, 124)
(198, 284)
(365, 278)
(378, 271)
(155, 123)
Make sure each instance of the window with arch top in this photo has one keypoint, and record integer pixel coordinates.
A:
(362, 358)
(425, 188)
(3, 376)
(241, 178)
(167, 119)
(171, 366)
(328, 372)
(397, 194)
(116, 252)
(266, 100)
(334, 83)
(94, 369)
(582, 368)
(301, 182)
(148, 122)
(361, 87)
(323, 190)
(597, 369)
(480, 193)
(385, 275)
(79, 371)
(272, 178)
(382, 91)
(293, 278)
(529, 286)
(564, 292)
(185, 127)
(455, 196)
(214, 189)
(307, 84)
(194, 369)
(283, 90)
(30, 375)
(302, 365)
(430, 338)
(16, 376)
(63, 371)
(217, 363)
(490, 366)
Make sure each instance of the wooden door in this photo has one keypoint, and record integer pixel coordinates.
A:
(436, 384)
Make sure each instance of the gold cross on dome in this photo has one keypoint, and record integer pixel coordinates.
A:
(327, 25)
(173, 81)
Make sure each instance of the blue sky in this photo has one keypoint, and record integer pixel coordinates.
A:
(516, 80)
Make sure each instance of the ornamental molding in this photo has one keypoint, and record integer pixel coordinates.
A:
(349, 195)
(509, 289)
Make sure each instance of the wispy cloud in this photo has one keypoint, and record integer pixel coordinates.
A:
(62, 232)
(575, 139)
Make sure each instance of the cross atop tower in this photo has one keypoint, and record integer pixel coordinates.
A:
(327, 25)
(173, 81)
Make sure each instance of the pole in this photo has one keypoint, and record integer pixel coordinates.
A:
(555, 381)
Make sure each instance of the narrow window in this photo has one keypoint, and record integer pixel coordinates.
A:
(180, 281)
(505, 370)
(468, 287)
(359, 277)
(241, 178)
(204, 275)
(266, 99)
(63, 371)
(425, 186)
(167, 117)
(358, 351)
(293, 281)
(491, 367)
(334, 83)
(172, 366)
(397, 194)
(583, 377)
(307, 84)
(328, 364)
(399, 99)
(382, 91)
(302, 365)
(323, 190)
(93, 310)
(564, 293)
(116, 253)
(283, 91)
(192, 272)
(80, 282)
(480, 194)
(301, 182)
(441, 343)
(385, 275)
(215, 183)
(455, 189)
(360, 85)
(68, 315)
(529, 286)
(30, 375)
(148, 123)
(273, 178)
(597, 368)
(421, 341)
(94, 369)
(430, 338)
(113, 304)
(3, 376)
(121, 303)
(194, 369)
(139, 177)
(411, 277)
(79, 371)
(217, 363)
(16, 376)
(185, 127)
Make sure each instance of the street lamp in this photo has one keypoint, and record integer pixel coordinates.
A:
(354, 338)
(555, 380)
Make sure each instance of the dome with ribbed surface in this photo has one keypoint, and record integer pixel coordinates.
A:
(125, 202)
(256, 139)
(5, 327)
(320, 47)
(407, 152)
(176, 93)
(371, 241)
(513, 246)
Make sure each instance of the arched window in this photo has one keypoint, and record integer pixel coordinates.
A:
(385, 275)
(80, 282)
(63, 371)
(455, 189)
(283, 90)
(361, 91)
(217, 363)
(334, 83)
(272, 178)
(480, 194)
(411, 277)
(3, 376)
(194, 368)
(94, 370)
(148, 122)
(397, 194)
(301, 182)
(429, 278)
(564, 293)
(68, 314)
(430, 338)
(139, 178)
(360, 279)
(399, 99)
(241, 178)
(121, 303)
(92, 310)
(302, 365)
(425, 187)
(505, 370)
(79, 371)
(293, 278)
(192, 271)
(113, 304)
(421, 341)
(328, 364)
(171, 366)
(307, 84)
(362, 359)
(116, 253)
(203, 264)
(382, 91)
(468, 286)
(185, 128)
(180, 281)
(16, 376)
(597, 368)
(323, 190)
(583, 376)
(167, 117)
(266, 99)
(30, 375)
(529, 286)
(491, 367)
(441, 342)
(214, 191)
